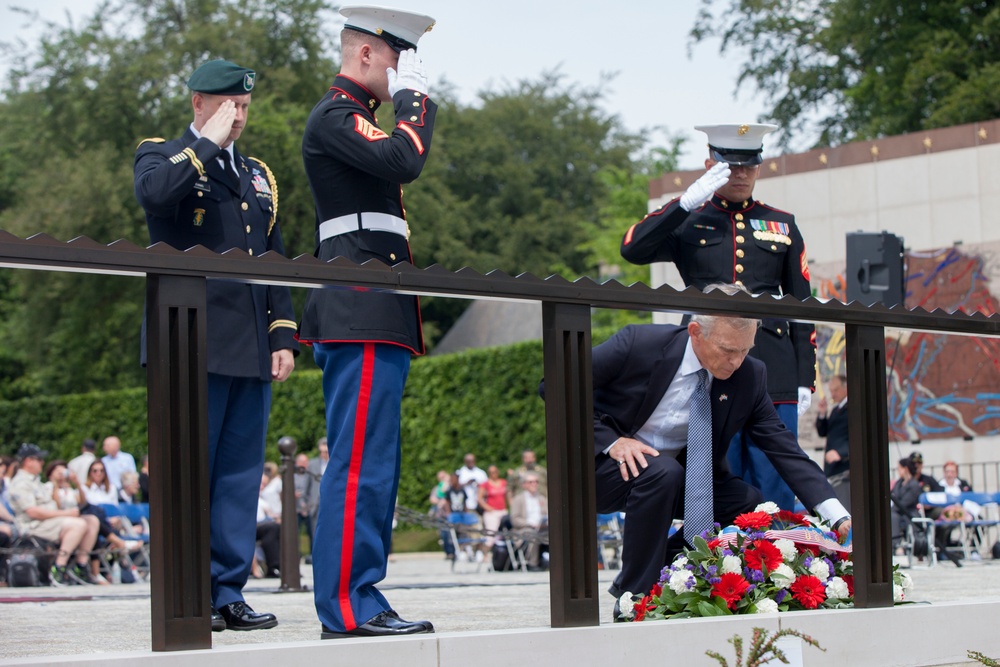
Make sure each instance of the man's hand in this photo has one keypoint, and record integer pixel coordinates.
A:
(702, 190)
(409, 74)
(630, 455)
(832, 456)
(844, 530)
(282, 364)
(805, 399)
(822, 405)
(217, 128)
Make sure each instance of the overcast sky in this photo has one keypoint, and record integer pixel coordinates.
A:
(476, 45)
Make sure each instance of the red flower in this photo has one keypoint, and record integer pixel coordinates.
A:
(762, 553)
(753, 520)
(808, 591)
(731, 588)
(644, 605)
(657, 590)
(793, 518)
(811, 548)
(714, 542)
(849, 580)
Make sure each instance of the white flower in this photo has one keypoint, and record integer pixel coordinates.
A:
(679, 581)
(837, 588)
(897, 593)
(679, 563)
(626, 605)
(819, 569)
(767, 606)
(783, 576)
(787, 549)
(905, 581)
(731, 565)
(769, 507)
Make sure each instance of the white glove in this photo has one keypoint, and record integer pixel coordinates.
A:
(805, 399)
(408, 75)
(702, 189)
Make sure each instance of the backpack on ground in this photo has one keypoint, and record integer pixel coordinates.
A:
(22, 570)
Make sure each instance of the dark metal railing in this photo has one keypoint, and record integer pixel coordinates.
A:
(175, 305)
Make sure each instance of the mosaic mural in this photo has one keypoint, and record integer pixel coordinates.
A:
(939, 386)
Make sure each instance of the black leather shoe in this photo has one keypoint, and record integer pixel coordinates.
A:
(385, 624)
(218, 623)
(426, 624)
(239, 616)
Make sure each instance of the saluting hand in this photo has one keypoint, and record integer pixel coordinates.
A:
(217, 128)
(408, 75)
(630, 455)
(702, 190)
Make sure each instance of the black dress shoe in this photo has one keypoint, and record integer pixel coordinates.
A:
(385, 624)
(218, 623)
(239, 616)
(426, 624)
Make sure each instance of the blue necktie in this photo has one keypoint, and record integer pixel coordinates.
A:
(698, 512)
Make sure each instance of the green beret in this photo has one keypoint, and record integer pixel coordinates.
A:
(221, 77)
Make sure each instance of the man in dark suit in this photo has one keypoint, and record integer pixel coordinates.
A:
(833, 427)
(644, 379)
(199, 190)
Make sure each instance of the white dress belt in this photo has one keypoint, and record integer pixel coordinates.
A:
(378, 222)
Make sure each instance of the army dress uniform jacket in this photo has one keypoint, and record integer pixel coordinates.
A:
(355, 172)
(190, 200)
(746, 243)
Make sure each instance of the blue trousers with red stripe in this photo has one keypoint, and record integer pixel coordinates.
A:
(238, 409)
(747, 461)
(363, 389)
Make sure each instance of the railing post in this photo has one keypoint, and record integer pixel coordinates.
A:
(177, 387)
(868, 429)
(291, 580)
(569, 435)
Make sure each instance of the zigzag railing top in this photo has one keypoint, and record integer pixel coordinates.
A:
(125, 258)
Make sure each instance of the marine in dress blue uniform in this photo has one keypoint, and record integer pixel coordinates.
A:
(363, 340)
(199, 190)
(717, 232)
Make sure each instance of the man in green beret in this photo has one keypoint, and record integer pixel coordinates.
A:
(199, 190)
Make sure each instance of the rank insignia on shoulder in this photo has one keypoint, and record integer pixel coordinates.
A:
(199, 217)
(367, 129)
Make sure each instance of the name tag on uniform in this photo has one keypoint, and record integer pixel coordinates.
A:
(202, 184)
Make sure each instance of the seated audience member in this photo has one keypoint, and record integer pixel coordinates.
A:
(116, 461)
(492, 503)
(268, 532)
(9, 466)
(97, 489)
(301, 479)
(528, 464)
(529, 512)
(951, 483)
(272, 490)
(144, 478)
(67, 497)
(905, 497)
(668, 400)
(79, 465)
(129, 493)
(37, 514)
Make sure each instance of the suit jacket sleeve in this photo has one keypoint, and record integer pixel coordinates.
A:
(609, 359)
(822, 426)
(162, 180)
(280, 314)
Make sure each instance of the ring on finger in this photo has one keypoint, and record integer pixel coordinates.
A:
(621, 462)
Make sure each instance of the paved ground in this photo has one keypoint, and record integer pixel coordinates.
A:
(103, 619)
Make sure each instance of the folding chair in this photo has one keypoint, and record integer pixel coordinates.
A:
(139, 560)
(979, 531)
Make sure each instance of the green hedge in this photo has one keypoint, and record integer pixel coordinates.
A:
(482, 401)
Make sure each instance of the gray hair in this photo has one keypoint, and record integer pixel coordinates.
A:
(708, 322)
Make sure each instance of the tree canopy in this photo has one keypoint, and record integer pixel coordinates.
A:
(846, 70)
(525, 180)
